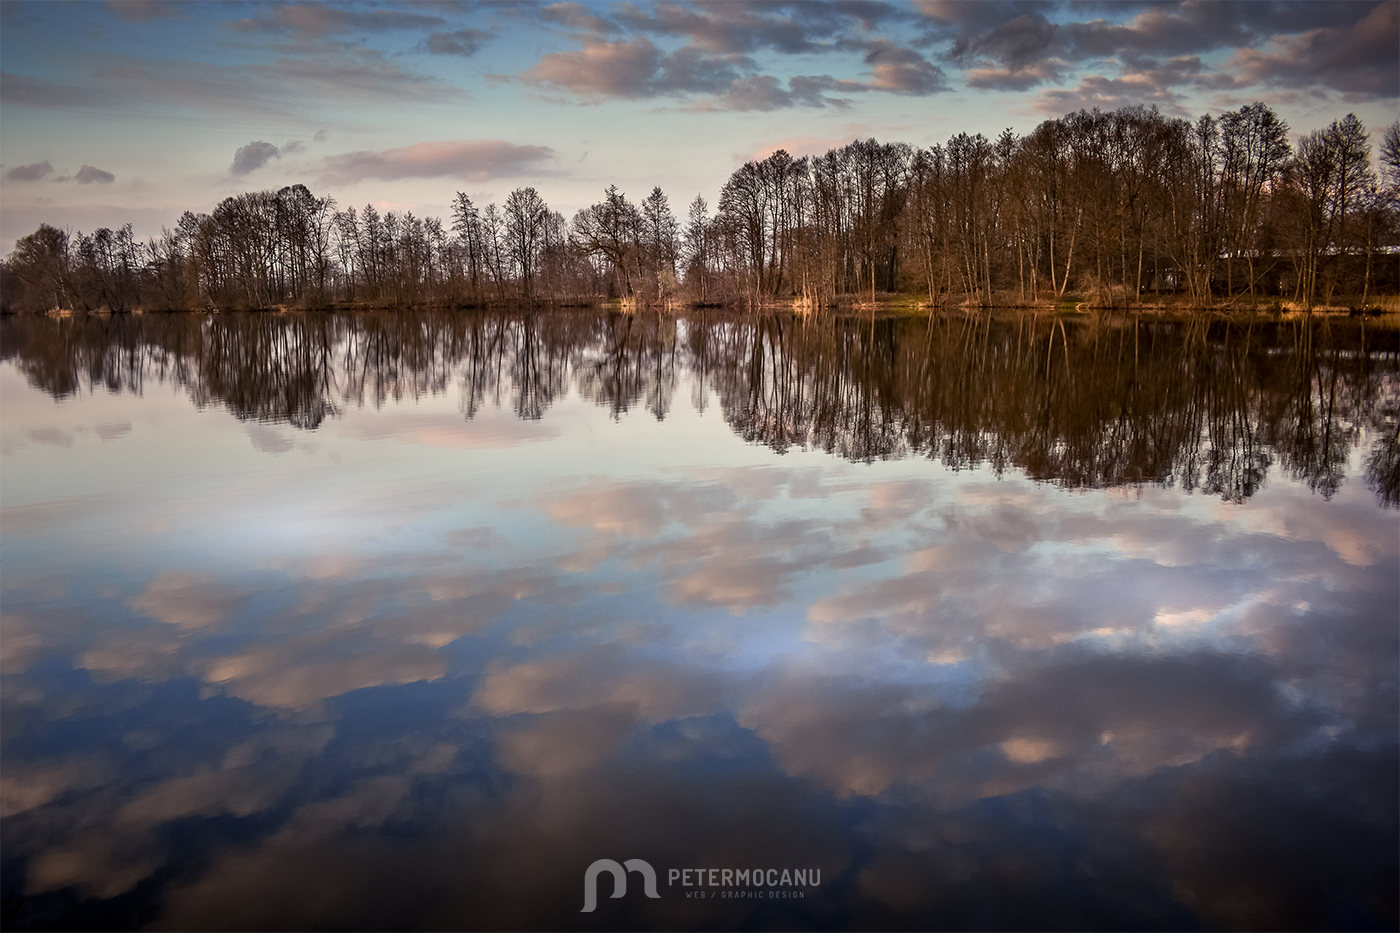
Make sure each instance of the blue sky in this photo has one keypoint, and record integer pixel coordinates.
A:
(136, 110)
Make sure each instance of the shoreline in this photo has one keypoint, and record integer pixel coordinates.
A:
(1387, 308)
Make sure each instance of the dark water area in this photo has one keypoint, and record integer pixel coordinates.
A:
(404, 621)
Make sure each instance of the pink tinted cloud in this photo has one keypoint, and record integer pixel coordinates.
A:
(140, 11)
(799, 146)
(1108, 94)
(467, 159)
(600, 69)
(317, 19)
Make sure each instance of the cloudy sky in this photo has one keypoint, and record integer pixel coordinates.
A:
(135, 110)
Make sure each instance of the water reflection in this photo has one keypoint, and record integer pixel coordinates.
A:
(511, 607)
(1197, 404)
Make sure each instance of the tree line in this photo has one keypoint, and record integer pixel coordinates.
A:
(1200, 403)
(1116, 209)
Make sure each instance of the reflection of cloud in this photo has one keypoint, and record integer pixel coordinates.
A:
(562, 744)
(654, 692)
(122, 844)
(30, 632)
(611, 510)
(1263, 845)
(145, 654)
(189, 600)
(97, 866)
(451, 430)
(267, 439)
(343, 632)
(39, 517)
(110, 432)
(718, 557)
(362, 875)
(288, 678)
(1098, 717)
(28, 785)
(480, 536)
(208, 793)
(1357, 533)
(56, 437)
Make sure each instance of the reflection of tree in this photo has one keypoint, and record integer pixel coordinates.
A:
(1102, 404)
(1383, 467)
(268, 368)
(633, 358)
(1207, 406)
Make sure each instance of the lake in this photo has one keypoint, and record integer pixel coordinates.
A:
(404, 621)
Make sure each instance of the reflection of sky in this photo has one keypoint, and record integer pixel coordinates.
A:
(431, 668)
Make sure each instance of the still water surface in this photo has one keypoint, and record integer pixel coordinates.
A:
(402, 621)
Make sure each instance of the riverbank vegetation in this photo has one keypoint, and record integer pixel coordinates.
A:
(1119, 210)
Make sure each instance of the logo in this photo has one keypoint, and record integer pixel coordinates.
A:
(619, 873)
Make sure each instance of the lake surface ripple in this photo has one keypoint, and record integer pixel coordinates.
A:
(402, 621)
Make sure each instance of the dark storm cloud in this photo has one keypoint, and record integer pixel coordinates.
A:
(464, 42)
(1195, 26)
(89, 175)
(1015, 43)
(467, 159)
(319, 19)
(637, 69)
(717, 61)
(32, 172)
(252, 156)
(1348, 47)
(1363, 58)
(1343, 46)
